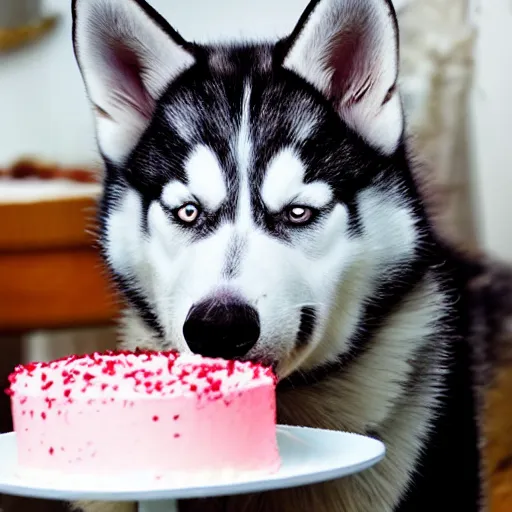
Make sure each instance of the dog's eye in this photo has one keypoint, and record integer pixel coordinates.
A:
(299, 214)
(188, 213)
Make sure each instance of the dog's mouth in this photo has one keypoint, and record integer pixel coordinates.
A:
(265, 362)
(274, 367)
(281, 369)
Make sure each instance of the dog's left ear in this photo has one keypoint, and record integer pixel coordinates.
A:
(348, 50)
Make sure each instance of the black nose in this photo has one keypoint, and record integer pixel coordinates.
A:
(226, 329)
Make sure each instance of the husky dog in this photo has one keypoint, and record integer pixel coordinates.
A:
(260, 203)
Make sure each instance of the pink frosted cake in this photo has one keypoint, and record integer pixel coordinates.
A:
(160, 414)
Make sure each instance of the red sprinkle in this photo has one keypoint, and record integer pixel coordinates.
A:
(69, 379)
(159, 380)
(51, 450)
(43, 415)
(110, 367)
(215, 386)
(155, 418)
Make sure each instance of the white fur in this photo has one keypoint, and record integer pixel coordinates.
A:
(284, 184)
(302, 128)
(389, 225)
(175, 193)
(206, 178)
(182, 117)
(125, 109)
(304, 120)
(373, 76)
(389, 236)
(124, 239)
(243, 151)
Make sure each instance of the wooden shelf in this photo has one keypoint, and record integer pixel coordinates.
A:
(499, 445)
(47, 224)
(53, 289)
(51, 274)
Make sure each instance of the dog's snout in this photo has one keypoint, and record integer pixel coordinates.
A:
(227, 329)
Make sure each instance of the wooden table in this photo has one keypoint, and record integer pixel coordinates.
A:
(50, 272)
(499, 446)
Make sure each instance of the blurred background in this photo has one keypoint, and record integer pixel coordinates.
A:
(54, 298)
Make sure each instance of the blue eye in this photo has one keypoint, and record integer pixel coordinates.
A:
(188, 213)
(299, 214)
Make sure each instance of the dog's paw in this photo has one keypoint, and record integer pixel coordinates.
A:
(101, 506)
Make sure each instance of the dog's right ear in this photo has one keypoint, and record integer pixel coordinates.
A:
(127, 54)
(348, 50)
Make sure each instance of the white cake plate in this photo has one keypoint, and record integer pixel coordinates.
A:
(308, 456)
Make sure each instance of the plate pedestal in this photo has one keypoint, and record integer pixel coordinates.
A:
(158, 506)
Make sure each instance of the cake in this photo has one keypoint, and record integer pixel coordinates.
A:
(159, 414)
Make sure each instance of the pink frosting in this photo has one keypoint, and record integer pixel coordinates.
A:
(159, 413)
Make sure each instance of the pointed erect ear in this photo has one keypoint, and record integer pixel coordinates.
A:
(348, 50)
(127, 55)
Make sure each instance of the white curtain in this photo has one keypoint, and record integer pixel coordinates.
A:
(437, 67)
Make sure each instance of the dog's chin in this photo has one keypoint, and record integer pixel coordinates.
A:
(284, 368)
(279, 368)
(281, 365)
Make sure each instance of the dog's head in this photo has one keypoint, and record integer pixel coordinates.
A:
(257, 198)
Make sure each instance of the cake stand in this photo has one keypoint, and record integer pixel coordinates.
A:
(308, 456)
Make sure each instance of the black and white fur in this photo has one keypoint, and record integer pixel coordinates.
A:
(303, 207)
